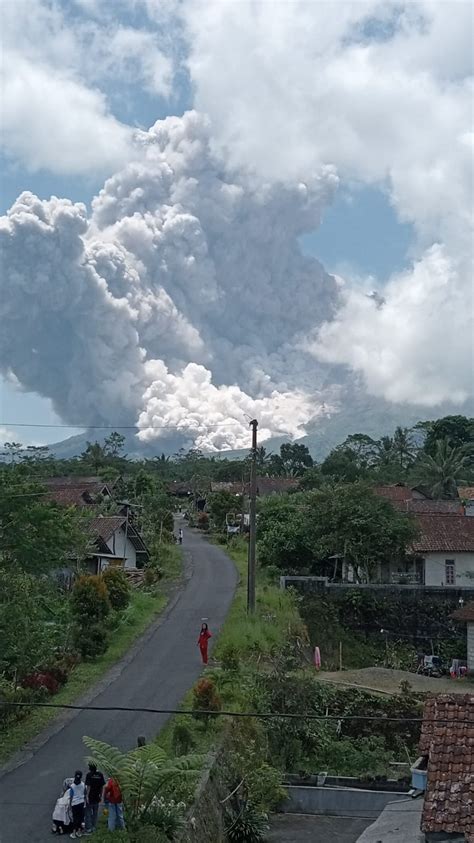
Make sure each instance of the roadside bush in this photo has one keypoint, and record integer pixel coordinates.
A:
(182, 739)
(90, 641)
(42, 682)
(10, 715)
(265, 788)
(167, 816)
(153, 574)
(90, 602)
(205, 699)
(246, 825)
(203, 521)
(117, 587)
(230, 658)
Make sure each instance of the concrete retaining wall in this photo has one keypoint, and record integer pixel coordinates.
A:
(337, 801)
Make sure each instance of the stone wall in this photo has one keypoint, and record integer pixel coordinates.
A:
(206, 819)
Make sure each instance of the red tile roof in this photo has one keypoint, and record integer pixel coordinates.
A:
(464, 614)
(447, 737)
(73, 491)
(444, 534)
(398, 492)
(276, 485)
(441, 507)
(105, 526)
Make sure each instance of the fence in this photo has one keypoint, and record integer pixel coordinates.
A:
(321, 586)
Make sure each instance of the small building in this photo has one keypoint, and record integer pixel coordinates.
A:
(466, 495)
(466, 615)
(445, 546)
(117, 542)
(415, 500)
(267, 486)
(447, 745)
(77, 491)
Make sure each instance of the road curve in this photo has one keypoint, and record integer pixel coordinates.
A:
(163, 667)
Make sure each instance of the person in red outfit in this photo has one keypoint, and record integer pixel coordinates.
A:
(203, 641)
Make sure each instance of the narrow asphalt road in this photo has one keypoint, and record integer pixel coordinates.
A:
(162, 669)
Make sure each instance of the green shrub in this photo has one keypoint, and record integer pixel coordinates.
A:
(230, 658)
(153, 573)
(9, 714)
(203, 521)
(118, 588)
(90, 602)
(205, 699)
(166, 816)
(246, 825)
(90, 641)
(265, 788)
(182, 739)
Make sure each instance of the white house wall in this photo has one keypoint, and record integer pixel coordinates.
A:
(435, 569)
(470, 647)
(124, 548)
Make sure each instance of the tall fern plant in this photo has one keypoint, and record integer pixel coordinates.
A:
(142, 772)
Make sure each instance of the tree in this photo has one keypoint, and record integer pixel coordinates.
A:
(143, 772)
(114, 445)
(219, 504)
(283, 538)
(35, 535)
(442, 472)
(95, 455)
(458, 430)
(27, 640)
(303, 532)
(403, 447)
(342, 464)
(292, 461)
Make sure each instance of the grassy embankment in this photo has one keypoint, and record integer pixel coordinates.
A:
(254, 638)
(144, 607)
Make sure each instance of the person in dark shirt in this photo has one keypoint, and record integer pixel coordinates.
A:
(94, 787)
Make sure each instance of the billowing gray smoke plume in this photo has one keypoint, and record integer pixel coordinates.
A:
(184, 302)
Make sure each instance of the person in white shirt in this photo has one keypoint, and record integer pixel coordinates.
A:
(77, 796)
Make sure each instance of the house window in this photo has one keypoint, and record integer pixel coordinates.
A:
(450, 571)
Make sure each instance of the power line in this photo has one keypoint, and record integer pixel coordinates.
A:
(119, 426)
(261, 715)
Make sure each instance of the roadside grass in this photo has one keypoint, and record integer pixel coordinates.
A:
(254, 638)
(143, 608)
(171, 562)
(276, 618)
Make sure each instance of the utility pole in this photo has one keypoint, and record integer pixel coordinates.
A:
(253, 520)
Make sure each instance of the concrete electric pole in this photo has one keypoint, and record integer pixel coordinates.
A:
(252, 520)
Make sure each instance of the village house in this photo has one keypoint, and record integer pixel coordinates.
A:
(77, 491)
(117, 543)
(466, 495)
(447, 749)
(442, 555)
(415, 500)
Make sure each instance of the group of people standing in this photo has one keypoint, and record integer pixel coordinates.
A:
(77, 809)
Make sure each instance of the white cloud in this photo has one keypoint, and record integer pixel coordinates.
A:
(54, 115)
(53, 122)
(417, 346)
(383, 91)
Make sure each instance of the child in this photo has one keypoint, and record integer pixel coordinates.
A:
(62, 818)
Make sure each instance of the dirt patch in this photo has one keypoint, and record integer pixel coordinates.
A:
(387, 681)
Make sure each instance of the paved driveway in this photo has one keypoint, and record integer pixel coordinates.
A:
(163, 667)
